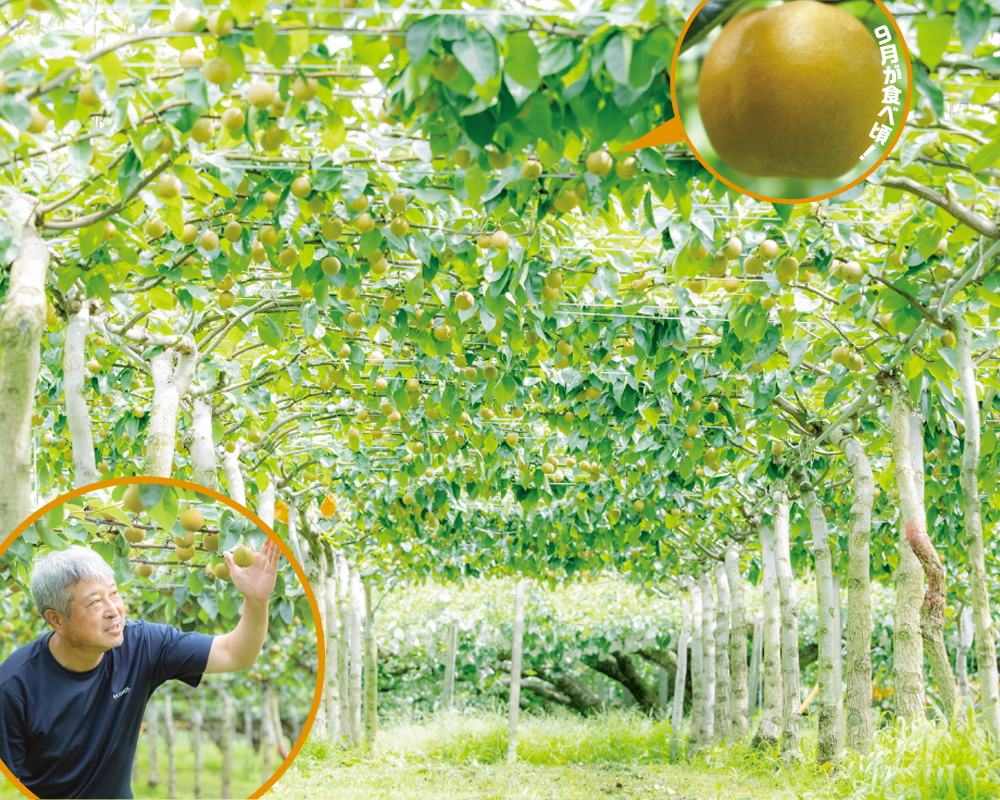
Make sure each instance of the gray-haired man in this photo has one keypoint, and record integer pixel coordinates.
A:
(72, 701)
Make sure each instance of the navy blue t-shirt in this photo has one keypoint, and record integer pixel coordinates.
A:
(74, 734)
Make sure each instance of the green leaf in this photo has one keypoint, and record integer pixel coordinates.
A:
(521, 59)
(414, 289)
(477, 52)
(111, 68)
(713, 14)
(309, 317)
(151, 493)
(618, 57)
(932, 39)
(50, 538)
(264, 33)
(16, 110)
(973, 21)
(165, 512)
(475, 184)
(209, 602)
(243, 10)
(420, 35)
(986, 156)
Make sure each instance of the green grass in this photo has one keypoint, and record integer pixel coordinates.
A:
(243, 785)
(561, 756)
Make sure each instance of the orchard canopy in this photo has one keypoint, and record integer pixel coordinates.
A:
(391, 263)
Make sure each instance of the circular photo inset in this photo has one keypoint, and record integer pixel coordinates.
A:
(156, 643)
(792, 101)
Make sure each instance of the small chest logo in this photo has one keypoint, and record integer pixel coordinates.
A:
(126, 690)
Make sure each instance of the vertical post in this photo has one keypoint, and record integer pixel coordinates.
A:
(333, 634)
(680, 680)
(226, 739)
(152, 723)
(517, 645)
(738, 697)
(663, 690)
(248, 735)
(266, 732)
(343, 650)
(371, 672)
(357, 617)
(199, 762)
(696, 738)
(168, 735)
(791, 702)
(448, 692)
(769, 730)
(708, 651)
(838, 663)
(756, 656)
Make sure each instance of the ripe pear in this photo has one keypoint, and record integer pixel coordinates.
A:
(532, 169)
(131, 500)
(600, 163)
(445, 68)
(243, 556)
(304, 89)
(134, 535)
(218, 71)
(301, 187)
(233, 119)
(203, 130)
(192, 519)
(144, 570)
(168, 186)
(221, 572)
(260, 94)
(627, 168)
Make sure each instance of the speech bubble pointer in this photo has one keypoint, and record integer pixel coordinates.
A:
(667, 133)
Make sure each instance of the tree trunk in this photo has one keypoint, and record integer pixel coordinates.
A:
(228, 724)
(318, 584)
(279, 730)
(663, 689)
(737, 645)
(708, 651)
(858, 724)
(265, 504)
(357, 621)
(22, 323)
(697, 738)
(791, 700)
(266, 732)
(986, 654)
(756, 657)
(371, 672)
(965, 640)
(343, 653)
(248, 735)
(170, 383)
(932, 612)
(680, 679)
(723, 709)
(168, 735)
(331, 679)
(199, 761)
(827, 743)
(769, 730)
(908, 650)
(234, 477)
(838, 660)
(74, 384)
(152, 724)
(448, 691)
(516, 651)
(203, 464)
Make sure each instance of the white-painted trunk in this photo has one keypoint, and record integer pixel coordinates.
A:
(226, 738)
(203, 462)
(267, 733)
(966, 637)
(516, 652)
(152, 737)
(770, 728)
(708, 650)
(265, 504)
(723, 710)
(697, 737)
(170, 382)
(791, 700)
(737, 645)
(680, 680)
(248, 735)
(371, 673)
(448, 690)
(858, 719)
(168, 735)
(234, 476)
(331, 680)
(754, 687)
(22, 323)
(319, 727)
(199, 758)
(986, 654)
(344, 649)
(357, 622)
(827, 743)
(908, 646)
(838, 661)
(77, 411)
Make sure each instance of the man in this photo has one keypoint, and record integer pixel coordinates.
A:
(72, 701)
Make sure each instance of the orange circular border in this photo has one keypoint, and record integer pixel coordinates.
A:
(314, 607)
(740, 189)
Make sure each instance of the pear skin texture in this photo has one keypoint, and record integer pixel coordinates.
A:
(792, 91)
